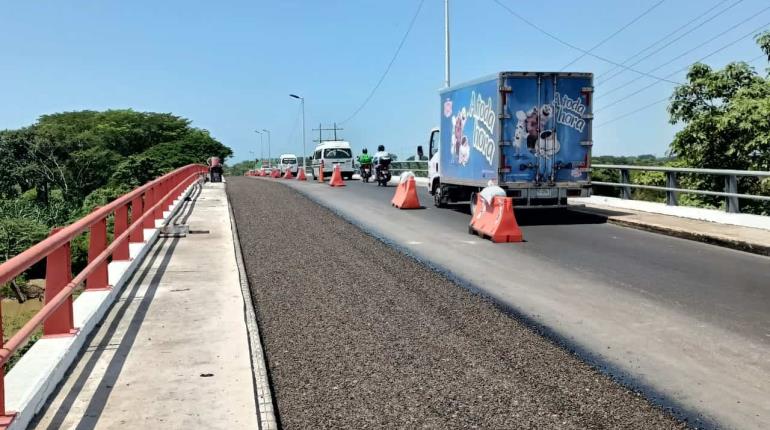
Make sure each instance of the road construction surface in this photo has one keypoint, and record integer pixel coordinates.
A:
(686, 322)
(358, 335)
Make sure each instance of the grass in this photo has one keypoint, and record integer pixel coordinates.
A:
(15, 315)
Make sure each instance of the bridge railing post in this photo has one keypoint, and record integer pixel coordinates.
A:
(160, 192)
(149, 201)
(137, 235)
(97, 243)
(671, 182)
(731, 202)
(625, 178)
(121, 225)
(58, 273)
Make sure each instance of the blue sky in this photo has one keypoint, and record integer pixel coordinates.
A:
(229, 66)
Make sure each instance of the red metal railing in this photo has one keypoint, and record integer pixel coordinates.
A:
(147, 204)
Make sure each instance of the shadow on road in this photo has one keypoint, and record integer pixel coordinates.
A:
(534, 217)
(111, 339)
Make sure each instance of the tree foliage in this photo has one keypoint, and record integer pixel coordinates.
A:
(60, 168)
(726, 119)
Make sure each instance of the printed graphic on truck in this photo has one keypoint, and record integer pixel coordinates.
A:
(469, 126)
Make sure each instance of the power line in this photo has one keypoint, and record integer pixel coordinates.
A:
(618, 31)
(632, 112)
(565, 43)
(671, 42)
(387, 69)
(751, 33)
(635, 111)
(605, 93)
(693, 49)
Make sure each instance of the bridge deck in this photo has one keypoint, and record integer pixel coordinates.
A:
(358, 335)
(173, 351)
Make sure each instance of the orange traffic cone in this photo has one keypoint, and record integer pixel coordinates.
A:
(336, 180)
(495, 221)
(321, 172)
(288, 174)
(301, 175)
(276, 173)
(406, 194)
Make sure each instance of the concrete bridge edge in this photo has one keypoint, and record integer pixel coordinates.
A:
(264, 398)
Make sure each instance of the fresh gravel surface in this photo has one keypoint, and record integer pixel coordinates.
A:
(358, 335)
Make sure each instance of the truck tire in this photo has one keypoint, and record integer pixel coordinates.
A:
(439, 200)
(473, 203)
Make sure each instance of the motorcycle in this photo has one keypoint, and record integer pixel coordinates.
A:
(383, 172)
(366, 172)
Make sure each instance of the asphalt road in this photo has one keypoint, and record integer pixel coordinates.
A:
(684, 321)
(358, 335)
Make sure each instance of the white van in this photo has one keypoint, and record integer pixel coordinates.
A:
(288, 162)
(333, 152)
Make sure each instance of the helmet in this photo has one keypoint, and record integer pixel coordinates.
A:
(381, 147)
(364, 151)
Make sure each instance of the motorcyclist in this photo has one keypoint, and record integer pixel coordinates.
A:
(379, 155)
(364, 158)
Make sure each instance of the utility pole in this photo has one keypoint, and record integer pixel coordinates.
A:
(269, 161)
(321, 129)
(261, 151)
(446, 43)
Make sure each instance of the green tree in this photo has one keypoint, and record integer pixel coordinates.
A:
(726, 118)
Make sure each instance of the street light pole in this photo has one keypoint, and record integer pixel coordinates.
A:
(269, 161)
(446, 43)
(304, 151)
(261, 151)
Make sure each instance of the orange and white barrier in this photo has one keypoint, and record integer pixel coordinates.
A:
(288, 174)
(406, 193)
(493, 217)
(301, 175)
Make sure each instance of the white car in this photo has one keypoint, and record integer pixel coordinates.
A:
(333, 152)
(288, 162)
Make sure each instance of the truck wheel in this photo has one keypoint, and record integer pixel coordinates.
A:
(438, 197)
(473, 203)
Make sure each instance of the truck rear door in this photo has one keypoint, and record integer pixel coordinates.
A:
(547, 127)
(572, 106)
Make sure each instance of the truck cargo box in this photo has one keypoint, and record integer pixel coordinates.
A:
(521, 130)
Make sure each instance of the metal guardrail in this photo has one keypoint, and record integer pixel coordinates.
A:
(419, 168)
(672, 189)
(731, 194)
(144, 205)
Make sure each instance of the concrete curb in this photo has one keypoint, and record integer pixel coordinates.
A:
(265, 407)
(687, 212)
(725, 242)
(37, 374)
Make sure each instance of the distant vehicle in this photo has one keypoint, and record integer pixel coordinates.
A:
(383, 172)
(333, 152)
(287, 162)
(266, 170)
(527, 132)
(365, 171)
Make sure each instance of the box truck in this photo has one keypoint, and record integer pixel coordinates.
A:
(527, 132)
